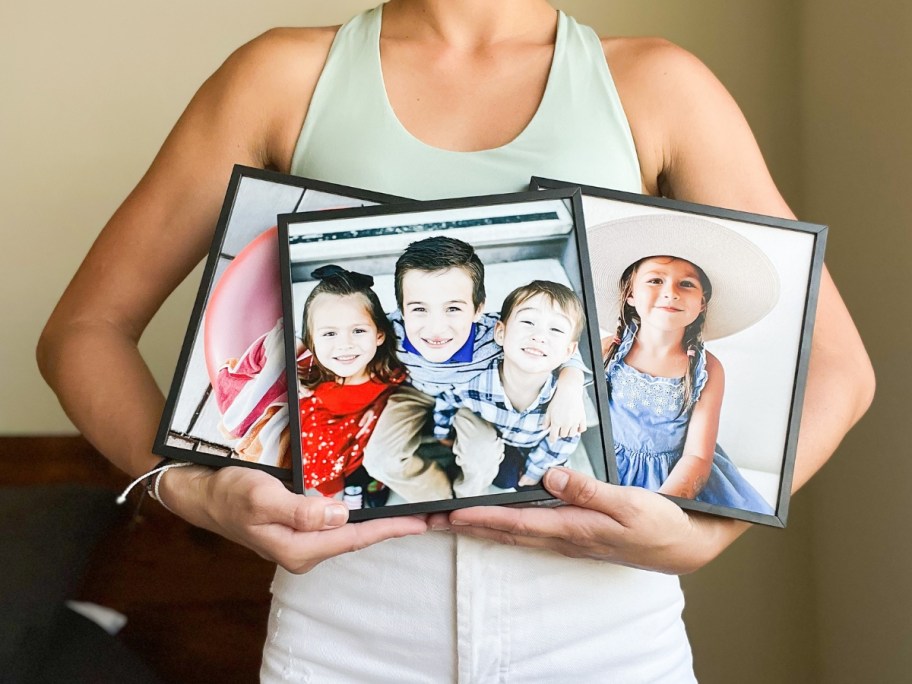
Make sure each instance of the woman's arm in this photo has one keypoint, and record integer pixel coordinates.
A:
(88, 351)
(689, 475)
(693, 144)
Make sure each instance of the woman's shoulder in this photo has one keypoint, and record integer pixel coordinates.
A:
(313, 39)
(649, 66)
(668, 95)
(279, 55)
(272, 78)
(645, 53)
(285, 57)
(653, 69)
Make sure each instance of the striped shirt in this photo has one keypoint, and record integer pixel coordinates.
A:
(436, 378)
(485, 396)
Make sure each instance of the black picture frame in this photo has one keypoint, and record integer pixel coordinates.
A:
(765, 365)
(225, 322)
(369, 240)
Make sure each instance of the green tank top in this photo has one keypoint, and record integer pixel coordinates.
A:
(351, 134)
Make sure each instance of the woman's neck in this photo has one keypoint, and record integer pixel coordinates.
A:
(466, 23)
(448, 64)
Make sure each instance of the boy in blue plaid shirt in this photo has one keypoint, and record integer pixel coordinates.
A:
(539, 330)
(445, 340)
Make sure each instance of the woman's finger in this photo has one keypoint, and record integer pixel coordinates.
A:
(299, 551)
(581, 490)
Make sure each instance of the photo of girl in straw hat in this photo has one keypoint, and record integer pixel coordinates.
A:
(673, 282)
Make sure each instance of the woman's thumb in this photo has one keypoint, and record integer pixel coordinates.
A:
(573, 487)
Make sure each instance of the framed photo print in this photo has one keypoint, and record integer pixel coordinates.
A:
(426, 343)
(705, 318)
(227, 402)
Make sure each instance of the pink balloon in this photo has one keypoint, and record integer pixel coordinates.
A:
(245, 303)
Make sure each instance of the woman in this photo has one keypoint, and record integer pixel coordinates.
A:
(461, 98)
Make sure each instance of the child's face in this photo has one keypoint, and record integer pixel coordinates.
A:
(437, 311)
(667, 293)
(538, 336)
(344, 335)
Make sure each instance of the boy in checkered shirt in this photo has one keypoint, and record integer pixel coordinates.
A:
(539, 330)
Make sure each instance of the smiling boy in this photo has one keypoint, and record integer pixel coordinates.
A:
(444, 340)
(539, 329)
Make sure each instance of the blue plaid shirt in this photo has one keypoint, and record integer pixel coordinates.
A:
(485, 396)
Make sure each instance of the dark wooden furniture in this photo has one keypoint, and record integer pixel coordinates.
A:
(196, 604)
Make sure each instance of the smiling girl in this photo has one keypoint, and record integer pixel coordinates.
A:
(346, 378)
(666, 388)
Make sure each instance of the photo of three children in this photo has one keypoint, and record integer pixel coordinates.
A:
(486, 338)
(486, 379)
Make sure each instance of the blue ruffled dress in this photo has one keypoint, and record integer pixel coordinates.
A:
(649, 434)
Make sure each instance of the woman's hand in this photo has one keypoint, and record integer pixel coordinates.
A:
(255, 509)
(626, 525)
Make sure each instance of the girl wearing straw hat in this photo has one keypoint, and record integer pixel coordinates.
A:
(672, 282)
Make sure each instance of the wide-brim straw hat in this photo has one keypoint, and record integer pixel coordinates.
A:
(745, 285)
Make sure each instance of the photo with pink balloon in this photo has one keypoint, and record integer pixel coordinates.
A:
(227, 404)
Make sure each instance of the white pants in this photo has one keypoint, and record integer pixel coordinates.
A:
(436, 608)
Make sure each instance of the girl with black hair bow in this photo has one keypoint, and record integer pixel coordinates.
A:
(346, 375)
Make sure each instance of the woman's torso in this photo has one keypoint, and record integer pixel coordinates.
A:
(439, 607)
(352, 136)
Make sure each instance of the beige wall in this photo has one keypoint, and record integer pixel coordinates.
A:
(91, 89)
(856, 65)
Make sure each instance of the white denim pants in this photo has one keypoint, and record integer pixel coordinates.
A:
(436, 608)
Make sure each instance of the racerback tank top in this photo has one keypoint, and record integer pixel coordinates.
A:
(437, 607)
(351, 134)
